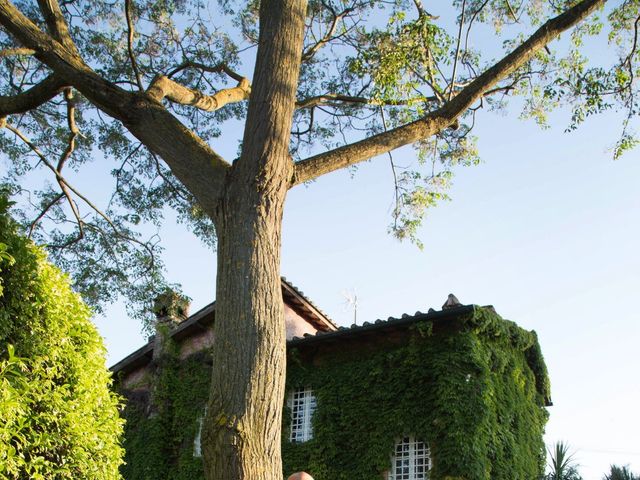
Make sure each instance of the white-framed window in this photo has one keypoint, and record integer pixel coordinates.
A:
(411, 460)
(302, 403)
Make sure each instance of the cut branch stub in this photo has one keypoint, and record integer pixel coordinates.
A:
(163, 87)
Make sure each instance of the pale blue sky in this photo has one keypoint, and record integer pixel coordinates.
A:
(546, 230)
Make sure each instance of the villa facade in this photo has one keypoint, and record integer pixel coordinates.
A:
(458, 393)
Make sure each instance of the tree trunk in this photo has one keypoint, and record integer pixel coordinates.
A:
(242, 428)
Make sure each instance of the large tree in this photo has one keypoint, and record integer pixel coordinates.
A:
(145, 84)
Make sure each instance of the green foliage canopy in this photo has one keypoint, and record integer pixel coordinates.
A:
(368, 66)
(58, 417)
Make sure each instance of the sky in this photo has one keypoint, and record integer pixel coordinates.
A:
(546, 229)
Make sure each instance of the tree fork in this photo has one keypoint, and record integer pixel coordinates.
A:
(241, 438)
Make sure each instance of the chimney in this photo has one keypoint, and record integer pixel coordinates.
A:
(452, 302)
(171, 308)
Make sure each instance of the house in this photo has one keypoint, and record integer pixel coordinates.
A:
(458, 393)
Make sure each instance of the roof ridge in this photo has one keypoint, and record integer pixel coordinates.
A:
(308, 300)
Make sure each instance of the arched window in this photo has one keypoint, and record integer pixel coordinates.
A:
(411, 460)
(302, 403)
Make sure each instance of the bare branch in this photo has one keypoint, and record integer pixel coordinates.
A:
(56, 24)
(329, 98)
(32, 98)
(397, 208)
(163, 87)
(219, 68)
(73, 129)
(455, 60)
(513, 14)
(43, 212)
(628, 61)
(74, 208)
(130, 36)
(298, 133)
(337, 18)
(446, 115)
(14, 52)
(422, 11)
(473, 17)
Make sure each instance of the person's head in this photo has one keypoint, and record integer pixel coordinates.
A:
(300, 476)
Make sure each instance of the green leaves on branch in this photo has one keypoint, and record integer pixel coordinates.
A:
(400, 58)
(370, 66)
(420, 189)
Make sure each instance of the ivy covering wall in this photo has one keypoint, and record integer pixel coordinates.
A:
(474, 391)
(162, 423)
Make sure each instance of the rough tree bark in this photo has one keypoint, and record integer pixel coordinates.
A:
(242, 432)
(241, 439)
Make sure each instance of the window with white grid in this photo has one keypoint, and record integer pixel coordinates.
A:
(411, 460)
(302, 404)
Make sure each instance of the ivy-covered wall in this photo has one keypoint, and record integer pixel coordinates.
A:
(159, 434)
(473, 388)
(474, 391)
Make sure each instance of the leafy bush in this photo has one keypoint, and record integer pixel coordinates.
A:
(561, 464)
(621, 473)
(58, 417)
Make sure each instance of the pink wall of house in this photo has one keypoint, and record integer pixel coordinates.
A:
(196, 343)
(296, 325)
(137, 379)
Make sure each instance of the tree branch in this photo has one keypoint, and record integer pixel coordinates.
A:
(337, 18)
(68, 189)
(191, 160)
(56, 24)
(219, 68)
(14, 52)
(446, 115)
(329, 98)
(64, 186)
(513, 14)
(130, 36)
(455, 60)
(163, 87)
(43, 212)
(32, 98)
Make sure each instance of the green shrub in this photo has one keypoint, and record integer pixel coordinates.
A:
(58, 417)
(621, 473)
